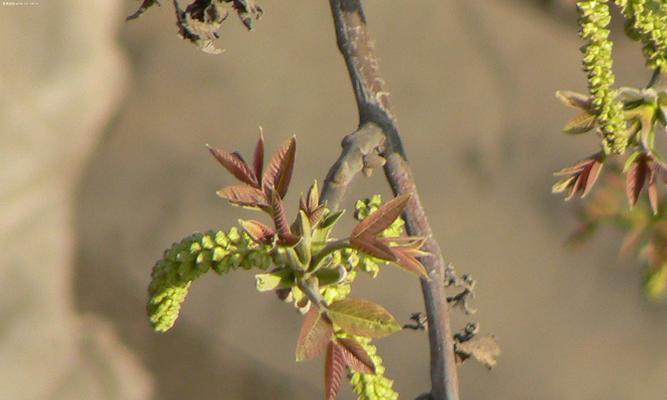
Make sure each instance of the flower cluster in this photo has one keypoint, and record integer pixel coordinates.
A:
(597, 63)
(646, 21)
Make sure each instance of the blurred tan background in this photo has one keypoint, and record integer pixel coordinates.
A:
(103, 165)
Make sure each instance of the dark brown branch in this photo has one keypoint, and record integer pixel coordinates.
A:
(375, 113)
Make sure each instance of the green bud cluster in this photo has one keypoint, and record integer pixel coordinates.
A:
(646, 21)
(597, 63)
(372, 386)
(188, 259)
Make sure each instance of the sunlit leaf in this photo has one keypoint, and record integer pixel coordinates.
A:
(363, 318)
(234, 163)
(316, 333)
(635, 179)
(408, 262)
(334, 370)
(258, 157)
(357, 359)
(575, 100)
(382, 218)
(580, 123)
(243, 195)
(259, 232)
(279, 171)
(373, 247)
(281, 279)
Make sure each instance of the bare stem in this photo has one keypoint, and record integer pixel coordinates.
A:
(378, 131)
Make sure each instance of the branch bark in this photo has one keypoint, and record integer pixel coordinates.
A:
(378, 132)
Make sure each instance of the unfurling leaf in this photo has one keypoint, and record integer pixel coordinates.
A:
(635, 179)
(363, 318)
(357, 359)
(259, 232)
(280, 220)
(408, 262)
(484, 349)
(276, 280)
(584, 174)
(580, 123)
(234, 163)
(653, 190)
(245, 196)
(279, 171)
(575, 100)
(316, 333)
(334, 370)
(373, 247)
(382, 218)
(258, 158)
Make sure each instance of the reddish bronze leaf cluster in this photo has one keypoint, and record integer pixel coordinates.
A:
(643, 170)
(316, 336)
(261, 189)
(366, 236)
(580, 177)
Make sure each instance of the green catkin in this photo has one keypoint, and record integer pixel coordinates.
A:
(646, 21)
(597, 63)
(188, 259)
(372, 386)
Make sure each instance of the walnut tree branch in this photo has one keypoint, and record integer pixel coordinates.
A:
(378, 131)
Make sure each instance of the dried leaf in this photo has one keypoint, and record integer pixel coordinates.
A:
(384, 216)
(145, 5)
(363, 318)
(373, 247)
(334, 370)
(258, 158)
(580, 123)
(408, 262)
(243, 195)
(234, 163)
(247, 10)
(316, 333)
(279, 171)
(635, 179)
(259, 232)
(357, 359)
(200, 23)
(485, 349)
(575, 100)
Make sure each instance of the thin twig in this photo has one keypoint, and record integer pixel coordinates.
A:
(375, 116)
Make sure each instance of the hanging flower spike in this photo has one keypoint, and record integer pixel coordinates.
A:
(597, 63)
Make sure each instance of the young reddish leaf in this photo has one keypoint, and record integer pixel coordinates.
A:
(373, 247)
(234, 163)
(356, 357)
(592, 176)
(258, 158)
(316, 333)
(408, 262)
(313, 197)
(243, 196)
(334, 370)
(363, 318)
(575, 100)
(279, 171)
(259, 232)
(635, 179)
(653, 189)
(380, 220)
(580, 123)
(280, 219)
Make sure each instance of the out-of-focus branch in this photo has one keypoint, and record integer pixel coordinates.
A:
(378, 130)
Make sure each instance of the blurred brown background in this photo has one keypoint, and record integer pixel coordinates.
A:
(103, 165)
